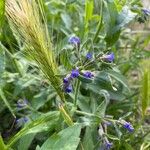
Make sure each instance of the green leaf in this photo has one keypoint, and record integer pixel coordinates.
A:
(38, 147)
(44, 123)
(110, 14)
(127, 146)
(2, 96)
(2, 9)
(119, 77)
(2, 145)
(64, 59)
(102, 81)
(25, 142)
(112, 38)
(2, 59)
(67, 20)
(124, 18)
(67, 139)
(83, 103)
(88, 140)
(102, 107)
(145, 96)
(114, 21)
(89, 5)
(119, 4)
(83, 79)
(115, 95)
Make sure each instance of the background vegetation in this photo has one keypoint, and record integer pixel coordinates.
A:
(35, 56)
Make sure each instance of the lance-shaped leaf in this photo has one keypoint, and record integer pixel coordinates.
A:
(67, 139)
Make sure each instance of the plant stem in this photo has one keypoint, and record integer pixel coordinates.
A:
(66, 116)
(85, 113)
(76, 92)
(81, 145)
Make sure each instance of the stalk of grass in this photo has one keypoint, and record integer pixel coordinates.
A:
(27, 21)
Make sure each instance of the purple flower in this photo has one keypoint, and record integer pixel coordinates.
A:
(74, 40)
(88, 74)
(25, 119)
(108, 145)
(74, 73)
(67, 86)
(67, 80)
(128, 126)
(22, 103)
(89, 55)
(146, 11)
(68, 89)
(110, 57)
(20, 122)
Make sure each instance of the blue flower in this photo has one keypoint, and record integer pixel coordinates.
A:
(22, 103)
(108, 145)
(74, 73)
(25, 119)
(20, 122)
(110, 57)
(68, 89)
(146, 11)
(89, 55)
(128, 126)
(74, 40)
(66, 80)
(88, 74)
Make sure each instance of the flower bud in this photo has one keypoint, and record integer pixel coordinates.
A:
(68, 89)
(74, 73)
(88, 74)
(128, 126)
(89, 56)
(74, 40)
(110, 57)
(22, 103)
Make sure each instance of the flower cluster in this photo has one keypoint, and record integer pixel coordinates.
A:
(67, 87)
(74, 74)
(67, 80)
(103, 127)
(74, 40)
(106, 144)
